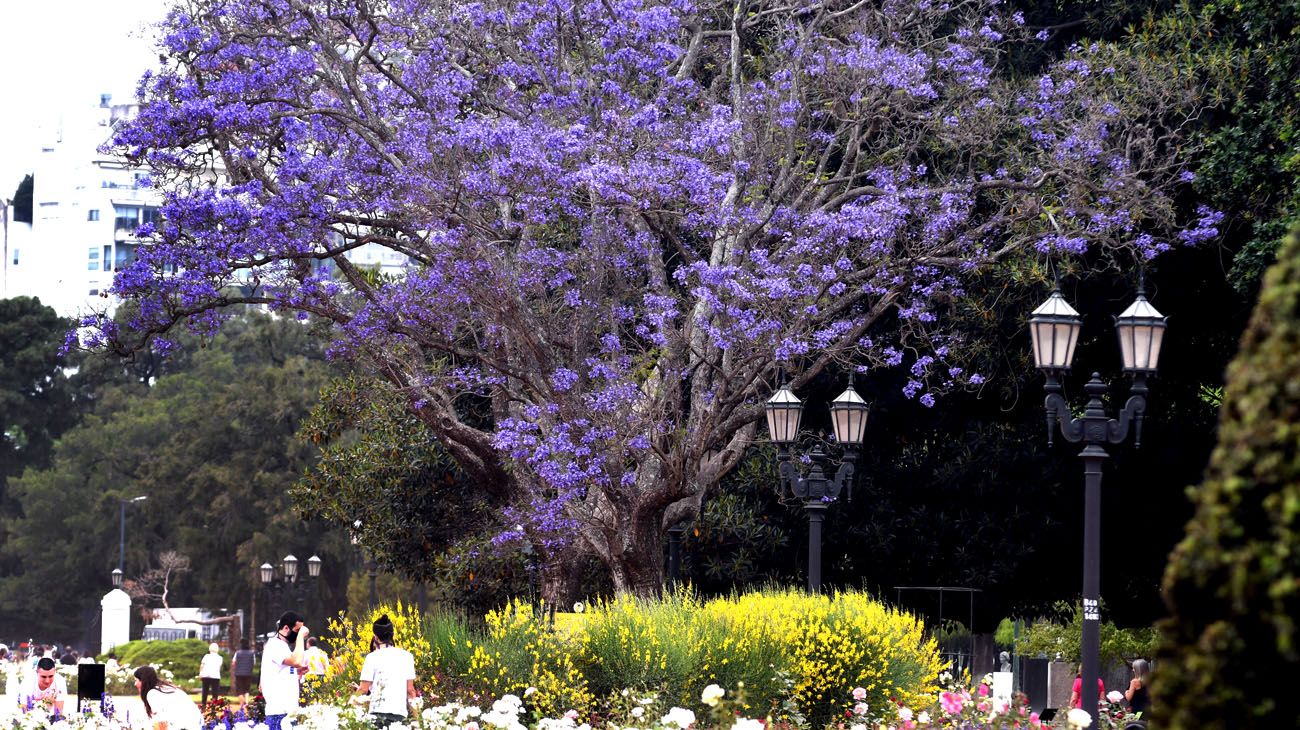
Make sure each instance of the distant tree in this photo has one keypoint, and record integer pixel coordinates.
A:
(1231, 646)
(211, 442)
(22, 202)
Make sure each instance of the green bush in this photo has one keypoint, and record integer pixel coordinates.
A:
(1047, 637)
(1230, 651)
(180, 657)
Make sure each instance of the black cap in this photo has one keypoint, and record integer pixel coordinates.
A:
(288, 619)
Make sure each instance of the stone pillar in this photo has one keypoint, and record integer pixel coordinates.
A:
(115, 620)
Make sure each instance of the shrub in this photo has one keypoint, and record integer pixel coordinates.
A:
(1046, 637)
(349, 638)
(830, 644)
(181, 657)
(1231, 648)
(519, 653)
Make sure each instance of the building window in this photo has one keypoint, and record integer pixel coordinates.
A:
(108, 258)
(94, 292)
(126, 218)
(92, 261)
(15, 257)
(92, 215)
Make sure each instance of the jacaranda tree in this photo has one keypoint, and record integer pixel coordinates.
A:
(623, 218)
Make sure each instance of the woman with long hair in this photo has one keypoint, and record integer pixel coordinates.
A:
(1138, 693)
(167, 705)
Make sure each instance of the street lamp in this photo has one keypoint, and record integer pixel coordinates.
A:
(121, 535)
(288, 585)
(116, 577)
(849, 419)
(1054, 328)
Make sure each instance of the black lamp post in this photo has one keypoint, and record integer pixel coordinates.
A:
(290, 585)
(116, 577)
(1054, 328)
(849, 418)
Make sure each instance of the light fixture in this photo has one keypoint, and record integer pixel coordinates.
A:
(784, 410)
(117, 578)
(290, 564)
(1141, 332)
(268, 573)
(313, 567)
(1054, 327)
(849, 416)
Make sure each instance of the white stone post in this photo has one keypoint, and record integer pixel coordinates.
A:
(115, 620)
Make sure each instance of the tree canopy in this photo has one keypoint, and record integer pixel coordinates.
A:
(622, 221)
(212, 445)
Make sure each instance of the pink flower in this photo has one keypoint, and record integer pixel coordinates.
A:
(983, 690)
(859, 694)
(951, 702)
(860, 708)
(1033, 718)
(571, 714)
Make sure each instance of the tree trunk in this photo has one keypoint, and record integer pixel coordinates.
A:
(562, 578)
(639, 568)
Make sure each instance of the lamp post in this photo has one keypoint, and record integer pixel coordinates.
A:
(121, 525)
(290, 584)
(1054, 328)
(116, 577)
(849, 418)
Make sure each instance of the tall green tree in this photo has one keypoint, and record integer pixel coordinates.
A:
(1231, 649)
(212, 445)
(22, 201)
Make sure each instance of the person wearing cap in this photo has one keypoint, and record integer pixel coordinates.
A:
(210, 673)
(387, 677)
(282, 661)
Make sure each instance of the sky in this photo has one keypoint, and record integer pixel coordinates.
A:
(60, 55)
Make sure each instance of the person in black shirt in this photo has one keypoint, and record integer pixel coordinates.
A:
(1138, 694)
(241, 670)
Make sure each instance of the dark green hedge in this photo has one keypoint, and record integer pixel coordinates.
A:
(181, 656)
(1230, 650)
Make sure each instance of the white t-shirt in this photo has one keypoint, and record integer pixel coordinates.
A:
(175, 708)
(210, 666)
(387, 669)
(57, 691)
(279, 680)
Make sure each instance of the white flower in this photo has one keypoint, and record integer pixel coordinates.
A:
(1078, 718)
(859, 726)
(712, 694)
(530, 692)
(637, 712)
(1115, 696)
(745, 723)
(860, 709)
(578, 607)
(571, 715)
(923, 718)
(471, 725)
(678, 716)
(904, 713)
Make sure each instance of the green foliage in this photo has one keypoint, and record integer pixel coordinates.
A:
(1005, 634)
(1047, 637)
(211, 442)
(22, 201)
(180, 657)
(1230, 651)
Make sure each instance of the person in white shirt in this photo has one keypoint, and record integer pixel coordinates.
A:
(210, 672)
(282, 660)
(167, 705)
(387, 676)
(47, 687)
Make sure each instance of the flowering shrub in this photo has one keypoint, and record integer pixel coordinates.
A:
(350, 641)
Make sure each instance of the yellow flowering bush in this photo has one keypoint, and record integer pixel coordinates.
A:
(782, 644)
(520, 655)
(349, 642)
(831, 644)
